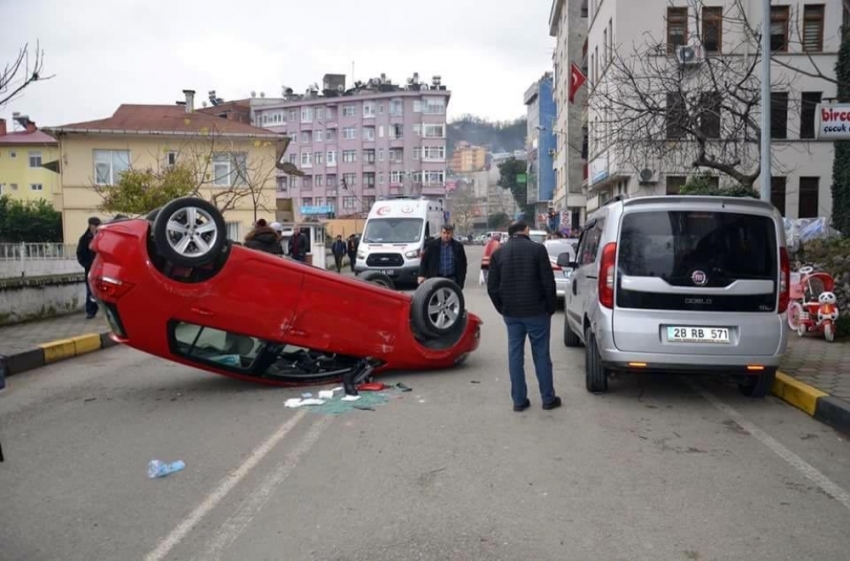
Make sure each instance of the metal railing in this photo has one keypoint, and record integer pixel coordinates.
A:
(37, 259)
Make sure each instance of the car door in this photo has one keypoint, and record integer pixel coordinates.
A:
(584, 278)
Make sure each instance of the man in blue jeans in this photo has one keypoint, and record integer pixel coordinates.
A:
(521, 286)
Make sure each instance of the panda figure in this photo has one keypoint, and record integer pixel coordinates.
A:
(828, 308)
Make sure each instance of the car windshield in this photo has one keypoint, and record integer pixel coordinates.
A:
(677, 245)
(557, 247)
(539, 238)
(393, 230)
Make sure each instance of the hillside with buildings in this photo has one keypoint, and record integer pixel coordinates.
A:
(497, 136)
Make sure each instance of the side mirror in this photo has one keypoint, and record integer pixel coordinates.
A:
(564, 261)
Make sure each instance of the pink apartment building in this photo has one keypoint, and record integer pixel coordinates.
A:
(374, 141)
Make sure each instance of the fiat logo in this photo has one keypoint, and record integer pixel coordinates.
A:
(699, 278)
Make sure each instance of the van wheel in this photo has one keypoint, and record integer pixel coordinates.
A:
(437, 307)
(570, 338)
(758, 386)
(376, 277)
(595, 375)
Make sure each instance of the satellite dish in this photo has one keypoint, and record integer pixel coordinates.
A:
(262, 94)
(253, 93)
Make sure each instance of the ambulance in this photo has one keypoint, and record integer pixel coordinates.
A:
(395, 234)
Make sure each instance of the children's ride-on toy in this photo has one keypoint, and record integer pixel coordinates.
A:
(815, 309)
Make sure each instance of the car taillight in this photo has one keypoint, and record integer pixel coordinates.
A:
(784, 280)
(606, 275)
(112, 287)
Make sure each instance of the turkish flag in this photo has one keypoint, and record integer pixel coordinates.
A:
(577, 78)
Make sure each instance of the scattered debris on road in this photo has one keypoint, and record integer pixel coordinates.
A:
(156, 468)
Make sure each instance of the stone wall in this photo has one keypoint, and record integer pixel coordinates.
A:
(29, 298)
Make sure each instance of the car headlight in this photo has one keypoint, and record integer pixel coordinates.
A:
(361, 255)
(413, 254)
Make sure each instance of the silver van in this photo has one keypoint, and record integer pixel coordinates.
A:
(680, 284)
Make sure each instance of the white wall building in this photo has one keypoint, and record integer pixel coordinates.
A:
(568, 23)
(805, 36)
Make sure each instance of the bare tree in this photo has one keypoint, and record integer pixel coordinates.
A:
(652, 108)
(462, 203)
(22, 72)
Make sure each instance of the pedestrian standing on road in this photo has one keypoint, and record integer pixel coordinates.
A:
(85, 257)
(338, 249)
(264, 238)
(352, 251)
(494, 243)
(298, 245)
(444, 257)
(521, 286)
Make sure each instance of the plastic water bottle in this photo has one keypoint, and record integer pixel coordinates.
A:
(157, 468)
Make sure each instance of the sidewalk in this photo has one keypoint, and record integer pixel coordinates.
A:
(817, 379)
(32, 345)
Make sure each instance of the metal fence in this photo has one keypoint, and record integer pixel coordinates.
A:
(36, 259)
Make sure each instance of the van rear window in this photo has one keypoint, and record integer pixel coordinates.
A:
(674, 245)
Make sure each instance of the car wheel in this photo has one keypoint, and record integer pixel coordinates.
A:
(437, 307)
(189, 232)
(570, 338)
(758, 386)
(595, 375)
(376, 277)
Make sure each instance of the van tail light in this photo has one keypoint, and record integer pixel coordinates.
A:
(111, 287)
(606, 275)
(784, 280)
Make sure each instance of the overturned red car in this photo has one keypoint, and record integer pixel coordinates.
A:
(174, 286)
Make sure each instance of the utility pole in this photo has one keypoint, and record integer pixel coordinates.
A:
(766, 171)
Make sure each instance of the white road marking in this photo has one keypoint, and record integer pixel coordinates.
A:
(798, 463)
(236, 524)
(227, 484)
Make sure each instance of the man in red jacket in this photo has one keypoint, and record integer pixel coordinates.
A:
(492, 245)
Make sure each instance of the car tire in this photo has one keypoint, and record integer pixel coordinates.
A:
(437, 307)
(758, 386)
(201, 248)
(379, 278)
(570, 338)
(595, 375)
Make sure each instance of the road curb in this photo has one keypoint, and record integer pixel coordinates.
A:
(55, 351)
(814, 402)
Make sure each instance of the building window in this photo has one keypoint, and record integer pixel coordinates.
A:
(306, 114)
(779, 115)
(109, 165)
(305, 137)
(349, 133)
(429, 177)
(329, 136)
(380, 178)
(380, 109)
(171, 158)
(396, 155)
(435, 105)
(710, 105)
(293, 158)
(712, 29)
(229, 169)
(349, 180)
(36, 187)
(675, 183)
(779, 28)
(368, 109)
(368, 156)
(417, 106)
(234, 230)
(677, 28)
(317, 180)
(369, 133)
(396, 177)
(675, 116)
(381, 155)
(396, 132)
(416, 151)
(397, 107)
(317, 136)
(35, 159)
(331, 180)
(349, 203)
(320, 113)
(809, 191)
(434, 153)
(808, 110)
(331, 157)
(605, 44)
(777, 193)
(349, 111)
(813, 28)
(349, 156)
(435, 131)
(417, 129)
(369, 180)
(293, 116)
(318, 158)
(306, 160)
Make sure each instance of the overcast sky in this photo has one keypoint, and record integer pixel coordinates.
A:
(107, 52)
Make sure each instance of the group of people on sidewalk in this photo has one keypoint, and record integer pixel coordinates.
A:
(521, 285)
(269, 238)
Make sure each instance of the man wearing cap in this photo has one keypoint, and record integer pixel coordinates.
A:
(85, 257)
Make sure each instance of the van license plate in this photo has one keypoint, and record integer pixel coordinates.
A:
(715, 335)
(388, 272)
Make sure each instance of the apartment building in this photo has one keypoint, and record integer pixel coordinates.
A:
(687, 35)
(28, 161)
(568, 24)
(540, 145)
(355, 145)
(467, 158)
(235, 163)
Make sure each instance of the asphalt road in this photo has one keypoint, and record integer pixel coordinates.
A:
(658, 469)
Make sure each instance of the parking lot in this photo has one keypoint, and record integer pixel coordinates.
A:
(658, 468)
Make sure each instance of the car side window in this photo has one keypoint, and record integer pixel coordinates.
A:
(207, 344)
(590, 243)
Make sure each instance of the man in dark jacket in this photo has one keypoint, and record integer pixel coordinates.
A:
(298, 245)
(445, 257)
(85, 257)
(521, 286)
(338, 250)
(264, 238)
(352, 251)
